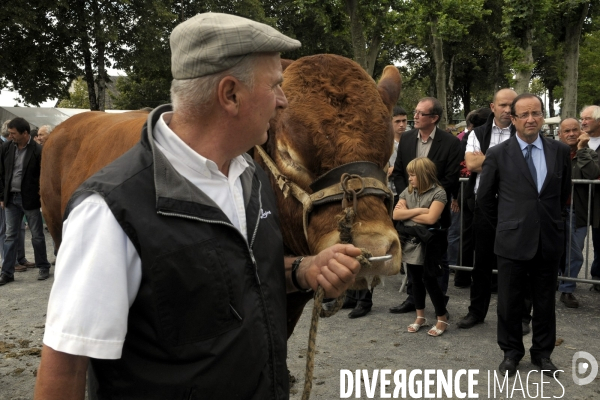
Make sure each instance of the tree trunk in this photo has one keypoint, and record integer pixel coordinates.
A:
(525, 68)
(440, 69)
(450, 92)
(466, 98)
(357, 33)
(572, 36)
(87, 57)
(100, 49)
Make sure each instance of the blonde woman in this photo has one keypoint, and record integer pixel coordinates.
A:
(419, 209)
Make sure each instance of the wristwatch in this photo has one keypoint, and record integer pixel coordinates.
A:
(295, 266)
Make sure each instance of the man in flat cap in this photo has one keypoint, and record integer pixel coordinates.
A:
(168, 285)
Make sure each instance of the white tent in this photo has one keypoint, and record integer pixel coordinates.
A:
(552, 121)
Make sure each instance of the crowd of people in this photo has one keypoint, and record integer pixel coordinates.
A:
(518, 216)
(516, 210)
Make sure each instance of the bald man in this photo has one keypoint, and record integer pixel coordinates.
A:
(584, 162)
(496, 130)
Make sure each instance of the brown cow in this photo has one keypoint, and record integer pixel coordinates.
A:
(336, 115)
(78, 148)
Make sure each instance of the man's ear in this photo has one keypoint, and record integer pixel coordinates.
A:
(228, 94)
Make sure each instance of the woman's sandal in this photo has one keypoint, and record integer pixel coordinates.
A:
(415, 327)
(435, 331)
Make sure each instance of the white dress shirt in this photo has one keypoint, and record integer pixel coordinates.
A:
(98, 270)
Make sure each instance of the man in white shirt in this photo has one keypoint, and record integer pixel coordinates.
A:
(171, 277)
(495, 131)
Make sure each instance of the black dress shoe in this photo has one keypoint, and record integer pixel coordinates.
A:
(43, 274)
(359, 311)
(468, 322)
(569, 300)
(4, 279)
(508, 365)
(462, 285)
(403, 308)
(546, 365)
(526, 328)
(349, 303)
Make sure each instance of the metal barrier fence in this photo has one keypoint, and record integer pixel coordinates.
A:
(586, 248)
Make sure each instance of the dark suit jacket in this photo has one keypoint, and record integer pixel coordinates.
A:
(445, 153)
(30, 185)
(525, 217)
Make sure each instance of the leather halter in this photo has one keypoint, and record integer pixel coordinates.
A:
(344, 183)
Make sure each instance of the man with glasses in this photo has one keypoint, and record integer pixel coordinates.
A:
(525, 182)
(444, 149)
(590, 124)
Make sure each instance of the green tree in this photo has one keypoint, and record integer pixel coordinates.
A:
(78, 97)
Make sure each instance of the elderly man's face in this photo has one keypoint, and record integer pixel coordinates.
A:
(42, 136)
(264, 100)
(589, 124)
(569, 132)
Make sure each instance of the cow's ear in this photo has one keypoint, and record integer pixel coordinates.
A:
(285, 63)
(389, 86)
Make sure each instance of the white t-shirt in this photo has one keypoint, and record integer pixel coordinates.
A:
(98, 270)
(594, 143)
(499, 135)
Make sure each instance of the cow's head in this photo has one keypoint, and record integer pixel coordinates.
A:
(336, 115)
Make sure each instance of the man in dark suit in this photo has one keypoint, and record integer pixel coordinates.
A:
(441, 147)
(20, 163)
(527, 179)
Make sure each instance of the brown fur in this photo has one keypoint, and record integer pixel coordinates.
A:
(78, 148)
(336, 115)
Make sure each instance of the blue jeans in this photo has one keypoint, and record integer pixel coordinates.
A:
(21, 239)
(14, 217)
(574, 261)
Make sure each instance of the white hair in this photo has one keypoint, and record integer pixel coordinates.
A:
(595, 111)
(48, 129)
(190, 96)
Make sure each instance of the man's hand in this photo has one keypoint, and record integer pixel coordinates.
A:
(334, 269)
(390, 170)
(454, 206)
(2, 204)
(583, 140)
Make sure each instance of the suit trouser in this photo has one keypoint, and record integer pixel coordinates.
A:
(363, 297)
(514, 278)
(485, 262)
(463, 278)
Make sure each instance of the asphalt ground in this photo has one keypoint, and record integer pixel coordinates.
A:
(377, 341)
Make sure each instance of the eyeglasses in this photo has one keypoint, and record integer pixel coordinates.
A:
(534, 114)
(420, 114)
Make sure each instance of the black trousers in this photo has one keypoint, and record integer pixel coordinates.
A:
(485, 262)
(515, 278)
(463, 278)
(423, 284)
(363, 297)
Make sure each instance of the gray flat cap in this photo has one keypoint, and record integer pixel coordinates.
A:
(213, 42)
